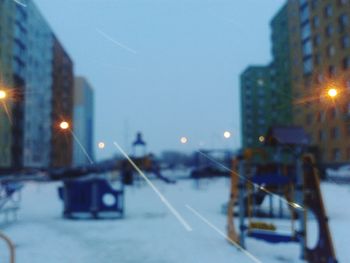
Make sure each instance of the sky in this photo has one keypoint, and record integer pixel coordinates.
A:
(166, 68)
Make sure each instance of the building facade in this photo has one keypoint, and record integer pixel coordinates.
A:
(37, 75)
(255, 104)
(13, 34)
(62, 107)
(281, 83)
(322, 62)
(6, 79)
(83, 122)
(38, 92)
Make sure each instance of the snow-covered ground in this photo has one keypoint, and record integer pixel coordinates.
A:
(149, 232)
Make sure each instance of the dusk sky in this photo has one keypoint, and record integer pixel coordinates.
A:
(167, 68)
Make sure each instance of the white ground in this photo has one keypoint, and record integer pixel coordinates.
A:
(149, 232)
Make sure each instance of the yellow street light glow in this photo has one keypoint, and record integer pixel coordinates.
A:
(3, 94)
(101, 145)
(227, 134)
(64, 125)
(332, 92)
(261, 139)
(183, 140)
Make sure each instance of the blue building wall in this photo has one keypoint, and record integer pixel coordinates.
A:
(38, 97)
(83, 121)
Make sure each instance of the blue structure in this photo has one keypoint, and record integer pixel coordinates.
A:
(92, 197)
(10, 198)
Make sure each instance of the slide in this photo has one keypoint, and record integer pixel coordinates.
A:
(324, 250)
(157, 173)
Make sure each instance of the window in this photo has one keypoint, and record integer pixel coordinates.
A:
(308, 66)
(348, 109)
(347, 84)
(317, 59)
(348, 130)
(333, 113)
(331, 71)
(345, 42)
(335, 133)
(329, 30)
(305, 31)
(343, 22)
(328, 11)
(317, 40)
(314, 4)
(336, 154)
(309, 119)
(346, 63)
(302, 2)
(348, 153)
(330, 51)
(307, 48)
(316, 21)
(322, 135)
(304, 14)
(342, 2)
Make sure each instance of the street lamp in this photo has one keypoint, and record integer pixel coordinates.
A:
(64, 125)
(183, 140)
(227, 135)
(3, 94)
(261, 139)
(332, 92)
(101, 145)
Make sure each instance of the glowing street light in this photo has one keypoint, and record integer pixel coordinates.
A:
(183, 140)
(261, 139)
(332, 92)
(101, 145)
(3, 94)
(64, 125)
(227, 135)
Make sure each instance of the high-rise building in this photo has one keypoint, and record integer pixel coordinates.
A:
(62, 107)
(281, 90)
(13, 34)
(38, 92)
(255, 104)
(37, 75)
(266, 98)
(6, 79)
(83, 122)
(321, 56)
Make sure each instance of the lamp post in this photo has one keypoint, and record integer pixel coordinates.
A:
(3, 94)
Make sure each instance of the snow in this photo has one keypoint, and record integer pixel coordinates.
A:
(150, 232)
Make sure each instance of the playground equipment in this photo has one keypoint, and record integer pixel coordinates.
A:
(93, 197)
(10, 198)
(10, 246)
(292, 177)
(204, 166)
